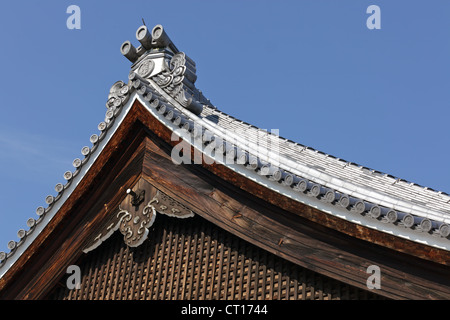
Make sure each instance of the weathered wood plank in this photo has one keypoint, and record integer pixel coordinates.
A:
(290, 205)
(242, 207)
(266, 227)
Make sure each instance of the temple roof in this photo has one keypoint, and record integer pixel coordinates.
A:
(162, 79)
(338, 174)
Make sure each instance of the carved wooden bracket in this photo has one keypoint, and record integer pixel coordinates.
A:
(137, 213)
(168, 206)
(134, 226)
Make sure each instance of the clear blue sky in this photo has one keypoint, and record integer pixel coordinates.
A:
(311, 69)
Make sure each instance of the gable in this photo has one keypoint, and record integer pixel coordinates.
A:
(280, 204)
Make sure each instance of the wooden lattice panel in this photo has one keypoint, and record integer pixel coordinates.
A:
(194, 259)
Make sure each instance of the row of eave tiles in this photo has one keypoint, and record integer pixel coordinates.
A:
(340, 168)
(290, 149)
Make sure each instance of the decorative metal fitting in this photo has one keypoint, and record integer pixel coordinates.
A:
(137, 198)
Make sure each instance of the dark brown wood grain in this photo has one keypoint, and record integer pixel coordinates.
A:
(140, 149)
(248, 186)
(195, 259)
(291, 237)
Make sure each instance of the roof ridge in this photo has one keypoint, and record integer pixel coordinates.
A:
(340, 159)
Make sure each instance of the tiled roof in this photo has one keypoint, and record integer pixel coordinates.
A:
(409, 196)
(162, 78)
